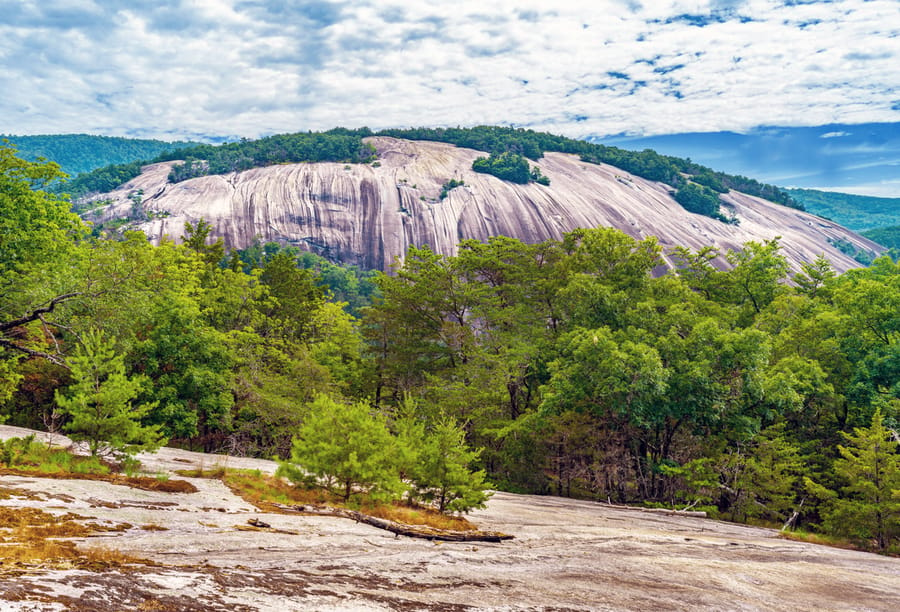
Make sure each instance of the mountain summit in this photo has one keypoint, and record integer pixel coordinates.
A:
(423, 192)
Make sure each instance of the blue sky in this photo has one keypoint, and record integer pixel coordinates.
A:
(862, 158)
(203, 68)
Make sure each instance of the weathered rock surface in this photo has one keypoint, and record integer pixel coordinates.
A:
(367, 215)
(566, 555)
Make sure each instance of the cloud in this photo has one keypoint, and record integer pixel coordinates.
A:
(175, 69)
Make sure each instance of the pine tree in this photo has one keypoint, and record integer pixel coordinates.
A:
(99, 401)
(868, 505)
(348, 448)
(442, 474)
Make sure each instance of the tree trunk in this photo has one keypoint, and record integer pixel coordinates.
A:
(412, 531)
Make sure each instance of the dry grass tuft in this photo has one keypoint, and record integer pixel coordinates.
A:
(146, 483)
(400, 513)
(818, 538)
(33, 538)
(154, 527)
(8, 492)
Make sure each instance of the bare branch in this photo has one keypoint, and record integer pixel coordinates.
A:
(33, 353)
(36, 314)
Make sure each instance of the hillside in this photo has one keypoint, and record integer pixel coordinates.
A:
(368, 214)
(196, 551)
(856, 212)
(885, 236)
(77, 153)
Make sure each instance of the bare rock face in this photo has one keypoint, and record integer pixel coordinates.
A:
(369, 214)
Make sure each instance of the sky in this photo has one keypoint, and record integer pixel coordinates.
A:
(207, 69)
(862, 158)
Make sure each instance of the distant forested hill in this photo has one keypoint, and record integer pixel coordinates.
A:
(853, 211)
(77, 153)
(885, 236)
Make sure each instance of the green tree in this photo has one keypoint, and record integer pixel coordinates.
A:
(757, 273)
(195, 238)
(814, 276)
(348, 448)
(296, 295)
(100, 401)
(38, 251)
(760, 478)
(868, 504)
(438, 462)
(190, 366)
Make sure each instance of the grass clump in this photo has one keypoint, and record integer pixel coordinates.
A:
(26, 456)
(30, 455)
(801, 535)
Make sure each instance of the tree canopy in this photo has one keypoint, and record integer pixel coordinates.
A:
(571, 367)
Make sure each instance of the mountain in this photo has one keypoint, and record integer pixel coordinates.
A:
(369, 213)
(853, 211)
(862, 158)
(77, 153)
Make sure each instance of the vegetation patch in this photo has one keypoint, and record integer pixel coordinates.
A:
(267, 492)
(510, 167)
(27, 457)
(801, 535)
(32, 539)
(449, 186)
(846, 247)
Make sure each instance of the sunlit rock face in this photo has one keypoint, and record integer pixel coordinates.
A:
(368, 215)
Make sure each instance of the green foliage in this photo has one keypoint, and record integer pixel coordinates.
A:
(848, 248)
(867, 505)
(854, 211)
(189, 365)
(337, 145)
(100, 180)
(437, 462)
(296, 296)
(885, 236)
(348, 285)
(100, 401)
(35, 226)
(38, 251)
(195, 238)
(449, 186)
(29, 454)
(348, 448)
(763, 477)
(507, 166)
(814, 276)
(699, 199)
(78, 153)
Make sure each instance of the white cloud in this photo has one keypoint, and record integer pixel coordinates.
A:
(250, 67)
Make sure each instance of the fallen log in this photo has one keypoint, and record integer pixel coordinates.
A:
(672, 512)
(413, 531)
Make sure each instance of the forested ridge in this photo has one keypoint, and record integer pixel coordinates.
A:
(563, 367)
(80, 153)
(695, 187)
(857, 212)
